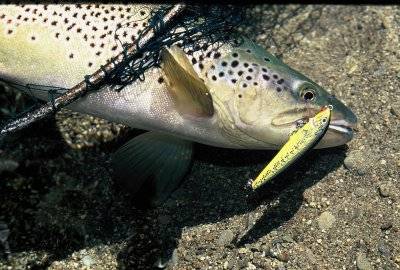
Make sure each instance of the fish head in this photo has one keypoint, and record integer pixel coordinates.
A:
(270, 99)
(304, 100)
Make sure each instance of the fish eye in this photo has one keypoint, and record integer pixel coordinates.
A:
(308, 94)
(324, 120)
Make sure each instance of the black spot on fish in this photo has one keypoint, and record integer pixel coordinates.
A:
(234, 54)
(275, 76)
(267, 59)
(265, 77)
(239, 96)
(160, 80)
(221, 74)
(234, 80)
(278, 89)
(244, 85)
(194, 61)
(217, 55)
(255, 83)
(201, 66)
(264, 69)
(230, 72)
(240, 73)
(248, 51)
(224, 64)
(280, 81)
(250, 70)
(214, 78)
(246, 64)
(248, 78)
(234, 63)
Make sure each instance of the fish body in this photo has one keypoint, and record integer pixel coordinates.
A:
(257, 99)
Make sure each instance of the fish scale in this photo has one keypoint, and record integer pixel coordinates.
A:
(77, 36)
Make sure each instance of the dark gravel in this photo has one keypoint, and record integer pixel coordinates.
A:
(337, 209)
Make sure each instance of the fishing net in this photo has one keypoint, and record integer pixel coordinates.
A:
(199, 26)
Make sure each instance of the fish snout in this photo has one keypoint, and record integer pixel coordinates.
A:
(341, 127)
(343, 119)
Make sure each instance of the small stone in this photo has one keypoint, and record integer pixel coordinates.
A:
(226, 265)
(362, 262)
(8, 165)
(87, 261)
(277, 252)
(386, 225)
(358, 162)
(326, 220)
(385, 249)
(359, 192)
(251, 266)
(242, 263)
(225, 238)
(394, 112)
(287, 238)
(386, 189)
(243, 250)
(349, 163)
(230, 262)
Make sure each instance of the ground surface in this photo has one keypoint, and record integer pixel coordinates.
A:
(339, 209)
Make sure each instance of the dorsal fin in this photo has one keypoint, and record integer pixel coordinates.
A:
(188, 90)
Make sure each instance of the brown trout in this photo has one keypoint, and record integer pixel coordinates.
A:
(233, 97)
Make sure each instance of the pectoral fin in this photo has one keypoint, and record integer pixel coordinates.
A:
(152, 165)
(190, 94)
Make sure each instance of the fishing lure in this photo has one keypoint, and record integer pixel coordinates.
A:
(299, 142)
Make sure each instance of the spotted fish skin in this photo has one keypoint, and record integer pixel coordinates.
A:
(257, 98)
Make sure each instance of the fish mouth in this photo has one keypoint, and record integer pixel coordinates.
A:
(291, 117)
(341, 126)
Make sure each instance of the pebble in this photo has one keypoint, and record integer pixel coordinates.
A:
(229, 263)
(326, 220)
(385, 249)
(225, 238)
(355, 161)
(87, 261)
(386, 189)
(8, 165)
(278, 253)
(226, 265)
(362, 262)
(359, 192)
(243, 250)
(251, 266)
(386, 225)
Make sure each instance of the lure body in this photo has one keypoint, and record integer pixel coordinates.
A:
(299, 142)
